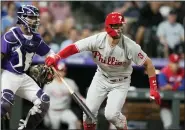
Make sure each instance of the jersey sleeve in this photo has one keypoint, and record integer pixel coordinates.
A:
(137, 55)
(43, 48)
(6, 41)
(87, 44)
(162, 80)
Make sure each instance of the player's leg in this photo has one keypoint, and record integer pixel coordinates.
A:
(10, 82)
(95, 96)
(166, 116)
(115, 101)
(67, 116)
(32, 92)
(54, 119)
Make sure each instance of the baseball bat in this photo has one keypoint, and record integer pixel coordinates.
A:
(76, 98)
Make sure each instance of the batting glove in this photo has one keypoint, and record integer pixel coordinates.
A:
(52, 60)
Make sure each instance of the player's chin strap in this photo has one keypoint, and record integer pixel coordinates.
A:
(37, 112)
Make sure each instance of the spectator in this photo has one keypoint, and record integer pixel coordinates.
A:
(171, 34)
(48, 39)
(72, 37)
(59, 36)
(60, 9)
(4, 8)
(47, 22)
(148, 21)
(171, 78)
(60, 99)
(9, 19)
(68, 24)
(86, 31)
(179, 6)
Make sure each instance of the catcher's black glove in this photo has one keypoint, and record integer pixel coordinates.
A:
(41, 74)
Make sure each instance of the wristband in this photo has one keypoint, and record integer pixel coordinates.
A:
(153, 83)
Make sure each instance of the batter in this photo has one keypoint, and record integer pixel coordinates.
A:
(113, 53)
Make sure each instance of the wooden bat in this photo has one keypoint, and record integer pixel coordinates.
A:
(76, 98)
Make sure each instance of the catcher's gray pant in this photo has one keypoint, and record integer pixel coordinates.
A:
(20, 84)
(102, 87)
(25, 87)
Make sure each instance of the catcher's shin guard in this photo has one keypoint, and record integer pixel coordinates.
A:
(7, 101)
(42, 103)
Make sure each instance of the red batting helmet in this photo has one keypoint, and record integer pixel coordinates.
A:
(174, 58)
(111, 19)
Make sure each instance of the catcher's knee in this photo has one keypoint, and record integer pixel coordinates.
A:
(7, 101)
(43, 101)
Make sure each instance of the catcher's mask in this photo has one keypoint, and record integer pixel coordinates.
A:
(28, 16)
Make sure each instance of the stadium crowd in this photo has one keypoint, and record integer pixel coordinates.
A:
(156, 26)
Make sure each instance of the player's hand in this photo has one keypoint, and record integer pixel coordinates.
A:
(52, 60)
(22, 124)
(154, 95)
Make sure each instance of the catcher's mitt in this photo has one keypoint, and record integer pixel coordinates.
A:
(41, 74)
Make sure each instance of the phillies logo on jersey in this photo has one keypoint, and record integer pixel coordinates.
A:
(109, 61)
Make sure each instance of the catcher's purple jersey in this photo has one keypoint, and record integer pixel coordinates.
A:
(20, 50)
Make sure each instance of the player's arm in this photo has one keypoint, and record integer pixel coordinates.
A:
(139, 57)
(86, 44)
(152, 80)
(150, 69)
(64, 53)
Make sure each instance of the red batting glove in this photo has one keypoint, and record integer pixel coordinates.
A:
(154, 94)
(52, 60)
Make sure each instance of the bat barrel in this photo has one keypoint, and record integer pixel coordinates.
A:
(84, 107)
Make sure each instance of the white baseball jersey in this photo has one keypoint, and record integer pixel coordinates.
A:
(113, 61)
(60, 97)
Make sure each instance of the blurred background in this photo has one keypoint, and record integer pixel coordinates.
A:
(63, 23)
